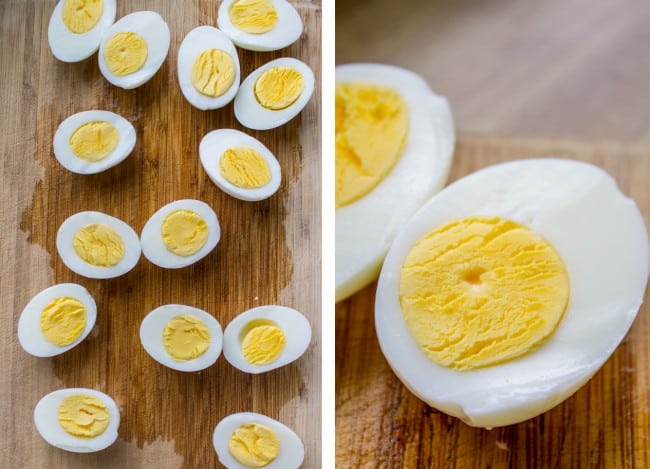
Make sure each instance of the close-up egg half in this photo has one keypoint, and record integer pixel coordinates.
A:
(77, 419)
(133, 49)
(240, 165)
(264, 338)
(248, 439)
(93, 141)
(394, 143)
(274, 94)
(97, 245)
(181, 337)
(510, 288)
(260, 25)
(76, 27)
(56, 320)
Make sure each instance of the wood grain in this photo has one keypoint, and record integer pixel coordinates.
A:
(266, 254)
(379, 423)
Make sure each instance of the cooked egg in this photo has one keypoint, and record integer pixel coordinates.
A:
(77, 419)
(133, 49)
(240, 165)
(265, 338)
(510, 288)
(97, 245)
(274, 94)
(248, 439)
(260, 25)
(76, 27)
(180, 233)
(394, 142)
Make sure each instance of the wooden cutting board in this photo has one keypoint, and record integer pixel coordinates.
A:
(379, 423)
(266, 254)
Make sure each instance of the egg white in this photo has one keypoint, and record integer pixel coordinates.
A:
(601, 237)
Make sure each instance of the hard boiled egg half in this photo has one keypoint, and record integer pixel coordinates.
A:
(509, 289)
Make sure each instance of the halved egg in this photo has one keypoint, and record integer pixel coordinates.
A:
(97, 245)
(274, 94)
(265, 338)
(56, 320)
(510, 288)
(240, 165)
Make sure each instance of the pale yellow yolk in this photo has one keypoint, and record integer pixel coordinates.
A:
(253, 16)
(94, 141)
(213, 72)
(83, 416)
(279, 87)
(184, 232)
(263, 342)
(480, 291)
(254, 445)
(244, 167)
(186, 337)
(80, 16)
(99, 245)
(63, 320)
(371, 129)
(125, 53)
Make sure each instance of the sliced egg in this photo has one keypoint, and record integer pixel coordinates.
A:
(208, 68)
(240, 165)
(92, 141)
(97, 245)
(77, 419)
(248, 439)
(133, 49)
(180, 233)
(181, 337)
(76, 28)
(510, 288)
(394, 143)
(265, 338)
(56, 320)
(274, 94)
(260, 25)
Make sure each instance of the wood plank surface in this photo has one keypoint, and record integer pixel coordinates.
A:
(267, 253)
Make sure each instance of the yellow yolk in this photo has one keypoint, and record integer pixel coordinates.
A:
(244, 167)
(83, 416)
(480, 291)
(125, 53)
(254, 445)
(94, 141)
(63, 320)
(371, 129)
(278, 87)
(80, 16)
(99, 245)
(263, 342)
(186, 337)
(184, 232)
(213, 72)
(253, 16)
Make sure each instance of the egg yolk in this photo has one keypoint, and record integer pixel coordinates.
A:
(253, 16)
(480, 291)
(94, 141)
(254, 445)
(80, 16)
(244, 167)
(186, 337)
(184, 232)
(83, 416)
(125, 53)
(63, 320)
(263, 342)
(213, 72)
(278, 87)
(99, 245)
(371, 130)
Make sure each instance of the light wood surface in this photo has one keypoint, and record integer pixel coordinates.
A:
(267, 253)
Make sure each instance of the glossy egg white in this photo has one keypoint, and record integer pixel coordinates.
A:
(599, 234)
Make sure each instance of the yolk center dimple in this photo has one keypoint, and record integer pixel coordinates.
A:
(83, 416)
(253, 16)
(278, 88)
(94, 141)
(186, 337)
(244, 167)
(254, 445)
(99, 245)
(125, 53)
(63, 320)
(263, 342)
(184, 232)
(80, 16)
(213, 72)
